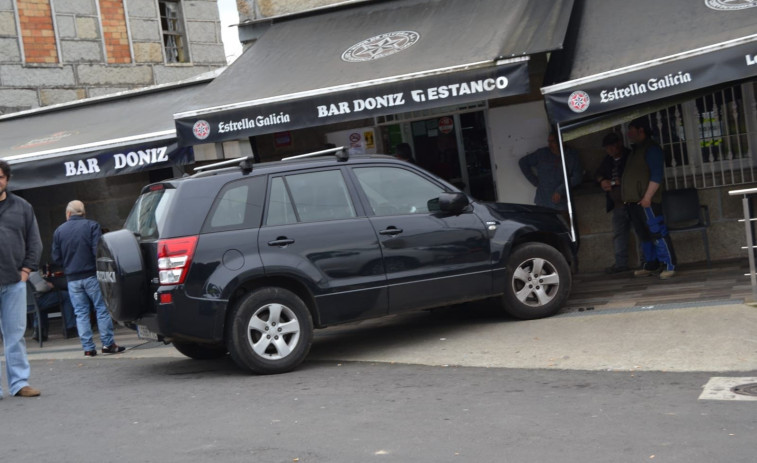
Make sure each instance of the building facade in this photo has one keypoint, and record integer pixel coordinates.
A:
(56, 51)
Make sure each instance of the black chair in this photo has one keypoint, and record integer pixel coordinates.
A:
(33, 309)
(683, 213)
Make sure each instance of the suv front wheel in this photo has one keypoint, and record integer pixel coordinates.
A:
(538, 281)
(271, 331)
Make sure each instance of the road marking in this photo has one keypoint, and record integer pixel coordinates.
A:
(720, 388)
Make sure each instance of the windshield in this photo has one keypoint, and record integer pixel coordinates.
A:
(148, 214)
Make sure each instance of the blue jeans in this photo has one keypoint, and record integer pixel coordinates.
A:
(50, 299)
(82, 293)
(621, 227)
(13, 326)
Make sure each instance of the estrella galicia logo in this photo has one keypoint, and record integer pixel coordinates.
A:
(201, 129)
(730, 5)
(578, 101)
(381, 46)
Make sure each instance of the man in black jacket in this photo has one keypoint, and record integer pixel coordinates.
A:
(608, 176)
(20, 250)
(75, 248)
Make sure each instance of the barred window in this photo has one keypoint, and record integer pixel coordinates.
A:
(174, 36)
(709, 141)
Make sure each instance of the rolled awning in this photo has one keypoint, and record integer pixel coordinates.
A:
(373, 59)
(621, 54)
(96, 137)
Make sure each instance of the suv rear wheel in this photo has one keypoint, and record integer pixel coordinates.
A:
(538, 281)
(271, 331)
(198, 351)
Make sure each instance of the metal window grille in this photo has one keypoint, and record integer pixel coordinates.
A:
(174, 37)
(709, 141)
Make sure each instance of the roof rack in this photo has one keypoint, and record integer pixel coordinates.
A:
(244, 163)
(340, 152)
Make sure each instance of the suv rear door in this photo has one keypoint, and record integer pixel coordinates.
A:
(431, 258)
(312, 226)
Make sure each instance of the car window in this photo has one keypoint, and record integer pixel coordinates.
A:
(320, 196)
(280, 209)
(392, 190)
(239, 205)
(309, 197)
(148, 214)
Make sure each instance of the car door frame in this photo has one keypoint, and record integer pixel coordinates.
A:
(443, 287)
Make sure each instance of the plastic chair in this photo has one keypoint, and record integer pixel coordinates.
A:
(33, 309)
(683, 213)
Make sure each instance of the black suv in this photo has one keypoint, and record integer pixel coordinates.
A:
(250, 259)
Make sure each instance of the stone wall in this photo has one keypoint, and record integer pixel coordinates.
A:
(99, 55)
(726, 234)
(257, 9)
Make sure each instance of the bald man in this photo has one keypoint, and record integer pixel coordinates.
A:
(75, 249)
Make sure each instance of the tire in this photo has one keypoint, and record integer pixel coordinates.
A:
(538, 282)
(121, 274)
(270, 332)
(198, 351)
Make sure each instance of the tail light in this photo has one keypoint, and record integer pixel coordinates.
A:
(174, 257)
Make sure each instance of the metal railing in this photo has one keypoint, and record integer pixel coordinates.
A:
(750, 247)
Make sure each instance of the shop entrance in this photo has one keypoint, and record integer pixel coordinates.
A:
(456, 148)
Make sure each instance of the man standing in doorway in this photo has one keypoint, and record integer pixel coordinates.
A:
(20, 250)
(609, 176)
(75, 248)
(641, 190)
(543, 168)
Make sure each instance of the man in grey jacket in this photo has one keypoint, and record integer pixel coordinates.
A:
(20, 250)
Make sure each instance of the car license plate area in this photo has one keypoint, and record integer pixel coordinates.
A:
(144, 333)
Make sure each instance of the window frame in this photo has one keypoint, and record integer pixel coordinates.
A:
(165, 35)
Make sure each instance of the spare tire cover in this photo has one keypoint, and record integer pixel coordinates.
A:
(121, 274)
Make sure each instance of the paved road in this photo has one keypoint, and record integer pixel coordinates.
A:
(129, 409)
(450, 385)
(709, 338)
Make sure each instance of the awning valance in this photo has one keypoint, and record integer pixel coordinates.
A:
(621, 54)
(97, 137)
(374, 59)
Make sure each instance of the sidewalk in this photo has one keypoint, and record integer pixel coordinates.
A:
(717, 338)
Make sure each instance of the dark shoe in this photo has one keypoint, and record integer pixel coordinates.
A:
(35, 336)
(72, 333)
(90, 353)
(616, 269)
(113, 349)
(667, 274)
(28, 391)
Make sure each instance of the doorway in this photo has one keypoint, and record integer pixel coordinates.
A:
(456, 148)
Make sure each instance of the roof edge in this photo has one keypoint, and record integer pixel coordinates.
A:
(113, 143)
(648, 64)
(350, 86)
(198, 79)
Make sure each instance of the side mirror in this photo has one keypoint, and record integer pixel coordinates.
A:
(453, 203)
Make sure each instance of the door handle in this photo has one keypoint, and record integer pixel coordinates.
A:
(281, 241)
(391, 231)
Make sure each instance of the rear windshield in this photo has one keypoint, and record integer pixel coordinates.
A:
(147, 217)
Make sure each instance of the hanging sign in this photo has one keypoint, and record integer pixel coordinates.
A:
(358, 103)
(38, 172)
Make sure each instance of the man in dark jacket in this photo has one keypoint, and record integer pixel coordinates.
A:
(20, 250)
(641, 190)
(608, 176)
(75, 248)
